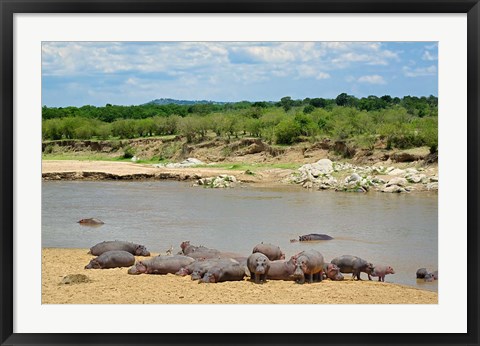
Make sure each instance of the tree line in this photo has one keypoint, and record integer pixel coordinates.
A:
(400, 122)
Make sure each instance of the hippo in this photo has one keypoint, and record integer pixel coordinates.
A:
(202, 252)
(332, 272)
(309, 264)
(161, 265)
(188, 249)
(421, 273)
(273, 252)
(435, 275)
(134, 249)
(312, 237)
(221, 273)
(198, 268)
(258, 264)
(112, 259)
(354, 265)
(90, 222)
(283, 270)
(429, 277)
(381, 271)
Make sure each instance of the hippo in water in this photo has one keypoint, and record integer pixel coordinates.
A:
(112, 259)
(309, 264)
(273, 252)
(332, 272)
(312, 237)
(90, 222)
(381, 271)
(421, 272)
(161, 265)
(429, 277)
(354, 265)
(134, 249)
(221, 273)
(258, 264)
(283, 270)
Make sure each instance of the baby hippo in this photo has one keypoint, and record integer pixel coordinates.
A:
(381, 271)
(112, 259)
(258, 264)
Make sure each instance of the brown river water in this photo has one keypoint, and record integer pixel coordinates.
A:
(400, 230)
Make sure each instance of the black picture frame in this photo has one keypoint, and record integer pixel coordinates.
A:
(10, 7)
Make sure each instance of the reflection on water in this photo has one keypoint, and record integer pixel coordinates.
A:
(393, 229)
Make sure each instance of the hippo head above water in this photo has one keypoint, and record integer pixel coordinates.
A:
(141, 251)
(137, 268)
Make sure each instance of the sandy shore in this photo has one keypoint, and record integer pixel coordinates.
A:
(115, 286)
(99, 170)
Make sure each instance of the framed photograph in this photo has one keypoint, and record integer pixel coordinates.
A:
(291, 171)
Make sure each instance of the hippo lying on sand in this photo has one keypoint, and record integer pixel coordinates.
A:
(221, 273)
(354, 265)
(90, 222)
(309, 264)
(283, 270)
(134, 249)
(312, 237)
(273, 252)
(198, 268)
(258, 264)
(332, 272)
(161, 265)
(111, 259)
(381, 271)
(202, 252)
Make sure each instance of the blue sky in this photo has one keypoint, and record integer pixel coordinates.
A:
(130, 73)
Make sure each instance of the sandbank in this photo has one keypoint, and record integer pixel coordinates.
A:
(115, 286)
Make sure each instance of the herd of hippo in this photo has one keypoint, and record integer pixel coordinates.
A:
(266, 262)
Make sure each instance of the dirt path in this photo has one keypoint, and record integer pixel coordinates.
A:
(115, 286)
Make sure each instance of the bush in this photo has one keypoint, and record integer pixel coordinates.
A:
(128, 153)
(287, 132)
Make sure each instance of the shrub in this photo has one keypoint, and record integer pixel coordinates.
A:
(287, 132)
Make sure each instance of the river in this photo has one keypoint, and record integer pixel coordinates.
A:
(400, 230)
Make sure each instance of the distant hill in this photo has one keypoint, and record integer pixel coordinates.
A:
(183, 102)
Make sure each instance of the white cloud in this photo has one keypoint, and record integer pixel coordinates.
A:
(322, 75)
(420, 71)
(429, 56)
(372, 79)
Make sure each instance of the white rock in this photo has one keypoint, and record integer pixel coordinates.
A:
(397, 181)
(324, 165)
(352, 178)
(393, 189)
(432, 186)
(396, 171)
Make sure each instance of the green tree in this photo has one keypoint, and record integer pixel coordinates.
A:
(287, 131)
